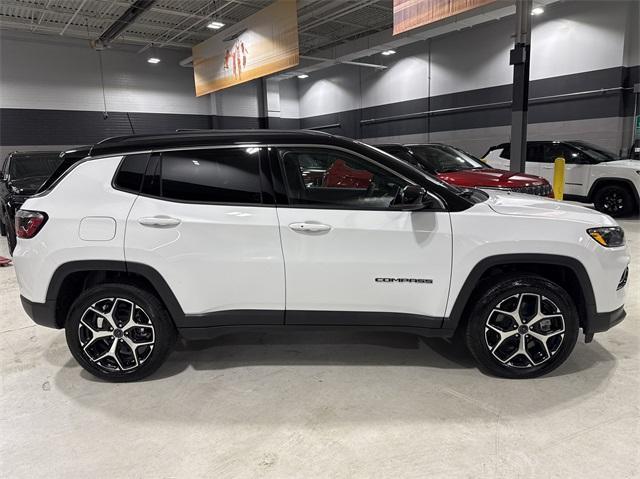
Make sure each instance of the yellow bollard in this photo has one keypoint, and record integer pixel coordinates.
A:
(558, 178)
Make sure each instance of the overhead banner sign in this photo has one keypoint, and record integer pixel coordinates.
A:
(264, 43)
(409, 14)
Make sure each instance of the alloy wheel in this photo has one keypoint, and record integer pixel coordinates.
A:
(613, 202)
(525, 330)
(116, 334)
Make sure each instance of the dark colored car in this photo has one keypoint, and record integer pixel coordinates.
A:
(23, 173)
(459, 168)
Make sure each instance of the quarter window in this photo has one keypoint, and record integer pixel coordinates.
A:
(331, 178)
(209, 176)
(131, 172)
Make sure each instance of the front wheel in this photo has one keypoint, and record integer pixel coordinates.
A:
(522, 327)
(119, 332)
(614, 200)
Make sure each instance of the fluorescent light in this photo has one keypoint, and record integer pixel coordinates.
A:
(386, 53)
(153, 60)
(303, 76)
(537, 11)
(215, 25)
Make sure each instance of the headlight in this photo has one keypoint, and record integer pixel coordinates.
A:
(609, 237)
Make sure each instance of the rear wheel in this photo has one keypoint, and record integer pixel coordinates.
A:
(119, 332)
(614, 200)
(522, 327)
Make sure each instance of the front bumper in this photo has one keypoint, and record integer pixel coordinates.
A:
(601, 322)
(43, 314)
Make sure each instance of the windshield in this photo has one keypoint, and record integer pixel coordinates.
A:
(428, 174)
(33, 166)
(443, 158)
(598, 153)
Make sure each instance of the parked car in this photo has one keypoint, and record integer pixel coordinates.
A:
(459, 168)
(223, 232)
(592, 174)
(23, 172)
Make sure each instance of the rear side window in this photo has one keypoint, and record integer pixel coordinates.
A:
(131, 172)
(535, 152)
(211, 176)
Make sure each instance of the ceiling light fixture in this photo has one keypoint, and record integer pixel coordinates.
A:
(215, 25)
(537, 11)
(153, 60)
(386, 53)
(303, 76)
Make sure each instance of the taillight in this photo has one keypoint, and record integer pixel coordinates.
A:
(29, 223)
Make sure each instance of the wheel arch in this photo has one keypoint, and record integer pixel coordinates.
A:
(70, 279)
(569, 272)
(609, 181)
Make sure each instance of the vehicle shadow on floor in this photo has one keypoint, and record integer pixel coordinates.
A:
(332, 348)
(265, 377)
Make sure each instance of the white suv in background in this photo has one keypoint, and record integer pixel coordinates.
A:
(203, 233)
(592, 174)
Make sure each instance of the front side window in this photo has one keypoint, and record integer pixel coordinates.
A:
(595, 153)
(332, 178)
(207, 176)
(552, 151)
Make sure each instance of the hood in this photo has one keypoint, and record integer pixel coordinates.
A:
(491, 178)
(635, 164)
(27, 186)
(507, 203)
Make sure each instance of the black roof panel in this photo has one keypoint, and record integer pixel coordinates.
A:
(123, 144)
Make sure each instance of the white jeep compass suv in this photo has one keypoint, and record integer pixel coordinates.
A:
(592, 174)
(202, 233)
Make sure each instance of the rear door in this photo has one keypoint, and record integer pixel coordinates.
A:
(203, 223)
(350, 258)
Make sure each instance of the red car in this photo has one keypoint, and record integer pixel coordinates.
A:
(462, 169)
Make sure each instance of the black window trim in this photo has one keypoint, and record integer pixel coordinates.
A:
(266, 191)
(276, 164)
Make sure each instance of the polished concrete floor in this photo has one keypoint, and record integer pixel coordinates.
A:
(323, 405)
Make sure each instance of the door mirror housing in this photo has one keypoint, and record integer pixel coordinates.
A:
(411, 198)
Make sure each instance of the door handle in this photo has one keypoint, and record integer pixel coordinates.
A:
(309, 227)
(547, 167)
(159, 221)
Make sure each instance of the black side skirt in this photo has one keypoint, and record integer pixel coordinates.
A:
(211, 325)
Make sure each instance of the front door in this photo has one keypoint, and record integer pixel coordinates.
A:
(577, 168)
(350, 258)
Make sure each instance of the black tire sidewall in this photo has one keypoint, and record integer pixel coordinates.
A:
(628, 204)
(475, 334)
(164, 329)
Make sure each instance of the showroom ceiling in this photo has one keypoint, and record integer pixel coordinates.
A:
(183, 23)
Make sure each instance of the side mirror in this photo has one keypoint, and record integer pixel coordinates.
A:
(410, 198)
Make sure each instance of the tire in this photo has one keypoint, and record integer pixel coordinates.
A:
(614, 200)
(497, 339)
(11, 239)
(152, 332)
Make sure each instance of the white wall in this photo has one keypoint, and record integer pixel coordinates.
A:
(240, 100)
(570, 37)
(47, 73)
(289, 104)
(330, 90)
